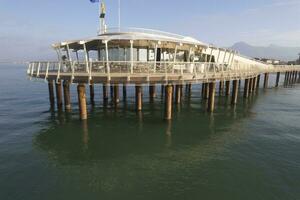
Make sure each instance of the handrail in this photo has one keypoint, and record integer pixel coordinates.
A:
(197, 70)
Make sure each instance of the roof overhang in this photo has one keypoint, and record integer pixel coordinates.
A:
(142, 39)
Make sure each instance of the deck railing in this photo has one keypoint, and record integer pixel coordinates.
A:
(119, 68)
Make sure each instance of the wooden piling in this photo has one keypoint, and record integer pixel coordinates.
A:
(207, 91)
(105, 92)
(258, 81)
(139, 97)
(51, 93)
(277, 79)
(266, 81)
(203, 90)
(67, 96)
(178, 94)
(59, 95)
(295, 77)
(235, 90)
(111, 92)
(92, 93)
(286, 76)
(246, 88)
(290, 78)
(162, 91)
(168, 102)
(211, 99)
(227, 88)
(181, 91)
(82, 101)
(189, 89)
(124, 92)
(254, 84)
(221, 87)
(152, 92)
(116, 94)
(250, 85)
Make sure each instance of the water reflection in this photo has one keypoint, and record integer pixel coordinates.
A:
(85, 133)
(168, 133)
(108, 135)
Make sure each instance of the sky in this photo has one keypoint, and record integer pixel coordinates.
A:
(29, 27)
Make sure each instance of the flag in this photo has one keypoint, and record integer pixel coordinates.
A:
(94, 1)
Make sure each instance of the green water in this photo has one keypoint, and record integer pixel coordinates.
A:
(251, 152)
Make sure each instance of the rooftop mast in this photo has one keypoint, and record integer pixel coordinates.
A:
(102, 11)
(119, 15)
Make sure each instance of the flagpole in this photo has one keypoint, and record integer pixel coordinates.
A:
(100, 20)
(119, 15)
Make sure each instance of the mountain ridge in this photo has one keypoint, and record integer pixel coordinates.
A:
(271, 52)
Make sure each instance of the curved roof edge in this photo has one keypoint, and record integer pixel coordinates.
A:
(137, 34)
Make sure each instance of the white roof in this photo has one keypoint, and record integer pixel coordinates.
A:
(138, 34)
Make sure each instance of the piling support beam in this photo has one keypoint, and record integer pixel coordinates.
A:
(246, 88)
(162, 91)
(116, 94)
(124, 92)
(235, 90)
(250, 85)
(139, 97)
(82, 101)
(205, 91)
(67, 96)
(290, 77)
(92, 93)
(152, 93)
(105, 92)
(294, 74)
(203, 87)
(277, 79)
(286, 76)
(221, 87)
(111, 92)
(295, 77)
(169, 100)
(266, 81)
(227, 88)
(178, 94)
(181, 91)
(254, 84)
(258, 81)
(59, 95)
(211, 99)
(51, 93)
(188, 89)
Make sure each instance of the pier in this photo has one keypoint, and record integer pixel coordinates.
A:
(143, 58)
